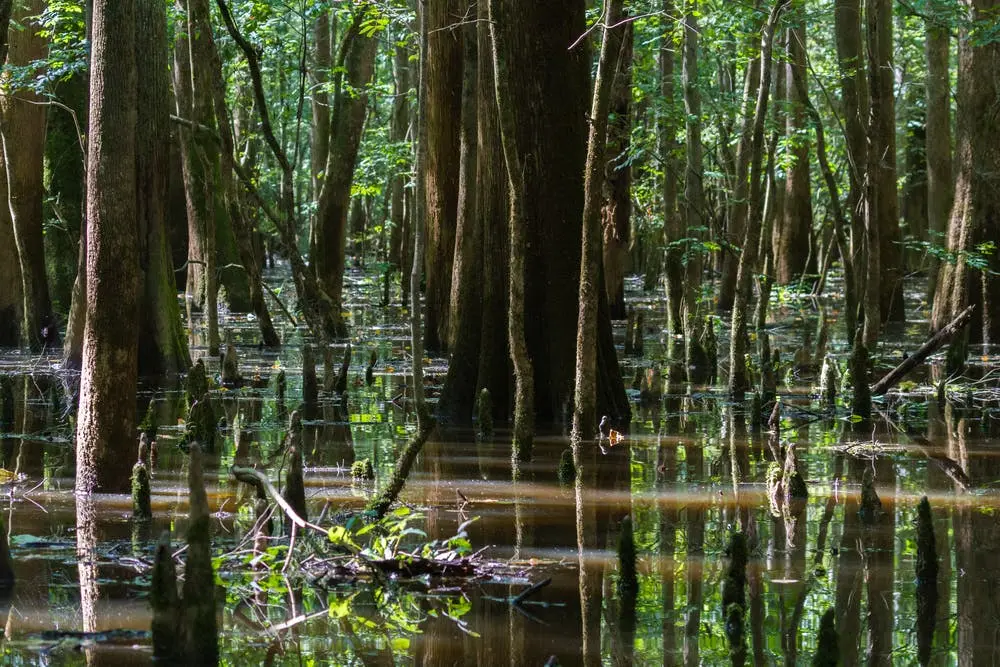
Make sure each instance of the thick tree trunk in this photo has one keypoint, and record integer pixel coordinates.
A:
(975, 215)
(854, 91)
(616, 216)
(22, 124)
(320, 70)
(459, 392)
(350, 107)
(938, 133)
(443, 99)
(399, 128)
(748, 258)
(492, 199)
(584, 416)
(106, 423)
(11, 300)
(162, 342)
(882, 163)
(545, 150)
(792, 234)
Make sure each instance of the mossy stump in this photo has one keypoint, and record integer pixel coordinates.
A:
(828, 383)
(280, 388)
(201, 425)
(142, 509)
(167, 612)
(196, 384)
(231, 367)
(871, 505)
(200, 629)
(363, 471)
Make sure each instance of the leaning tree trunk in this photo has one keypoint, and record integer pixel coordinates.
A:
(938, 137)
(882, 163)
(162, 343)
(749, 256)
(443, 100)
(975, 215)
(350, 106)
(22, 125)
(791, 237)
(584, 416)
(106, 421)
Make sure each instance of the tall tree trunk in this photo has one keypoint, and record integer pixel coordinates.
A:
(667, 130)
(399, 128)
(191, 92)
(545, 150)
(749, 256)
(584, 416)
(854, 91)
(792, 234)
(350, 107)
(882, 163)
(443, 96)
(693, 205)
(938, 138)
(617, 214)
(492, 211)
(11, 299)
(106, 424)
(737, 214)
(22, 124)
(320, 130)
(459, 392)
(975, 215)
(162, 342)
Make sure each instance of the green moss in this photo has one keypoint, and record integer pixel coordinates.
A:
(363, 470)
(141, 505)
(567, 469)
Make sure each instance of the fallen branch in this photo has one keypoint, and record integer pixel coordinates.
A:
(531, 590)
(942, 336)
(259, 480)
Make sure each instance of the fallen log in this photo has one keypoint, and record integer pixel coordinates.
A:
(938, 340)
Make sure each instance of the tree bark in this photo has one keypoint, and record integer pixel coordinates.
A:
(106, 422)
(443, 97)
(459, 392)
(584, 416)
(854, 91)
(975, 215)
(616, 217)
(11, 299)
(667, 130)
(792, 234)
(22, 124)
(162, 342)
(938, 137)
(692, 207)
(320, 70)
(749, 257)
(882, 165)
(399, 128)
(350, 107)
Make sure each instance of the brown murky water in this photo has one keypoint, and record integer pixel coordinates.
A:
(688, 474)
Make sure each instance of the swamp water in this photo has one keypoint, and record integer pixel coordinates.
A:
(689, 472)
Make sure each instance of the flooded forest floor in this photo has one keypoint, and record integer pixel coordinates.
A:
(689, 471)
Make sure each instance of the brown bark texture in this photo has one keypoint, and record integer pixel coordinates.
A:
(106, 418)
(443, 104)
(791, 235)
(938, 133)
(350, 107)
(975, 215)
(22, 125)
(616, 216)
(667, 129)
(10, 272)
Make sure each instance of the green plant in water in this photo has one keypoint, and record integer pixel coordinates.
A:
(363, 471)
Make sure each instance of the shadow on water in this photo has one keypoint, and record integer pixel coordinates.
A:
(691, 471)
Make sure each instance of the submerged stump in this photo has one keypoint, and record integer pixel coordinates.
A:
(231, 367)
(828, 642)
(280, 387)
(567, 469)
(927, 581)
(201, 425)
(163, 598)
(310, 390)
(484, 414)
(200, 630)
(196, 384)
